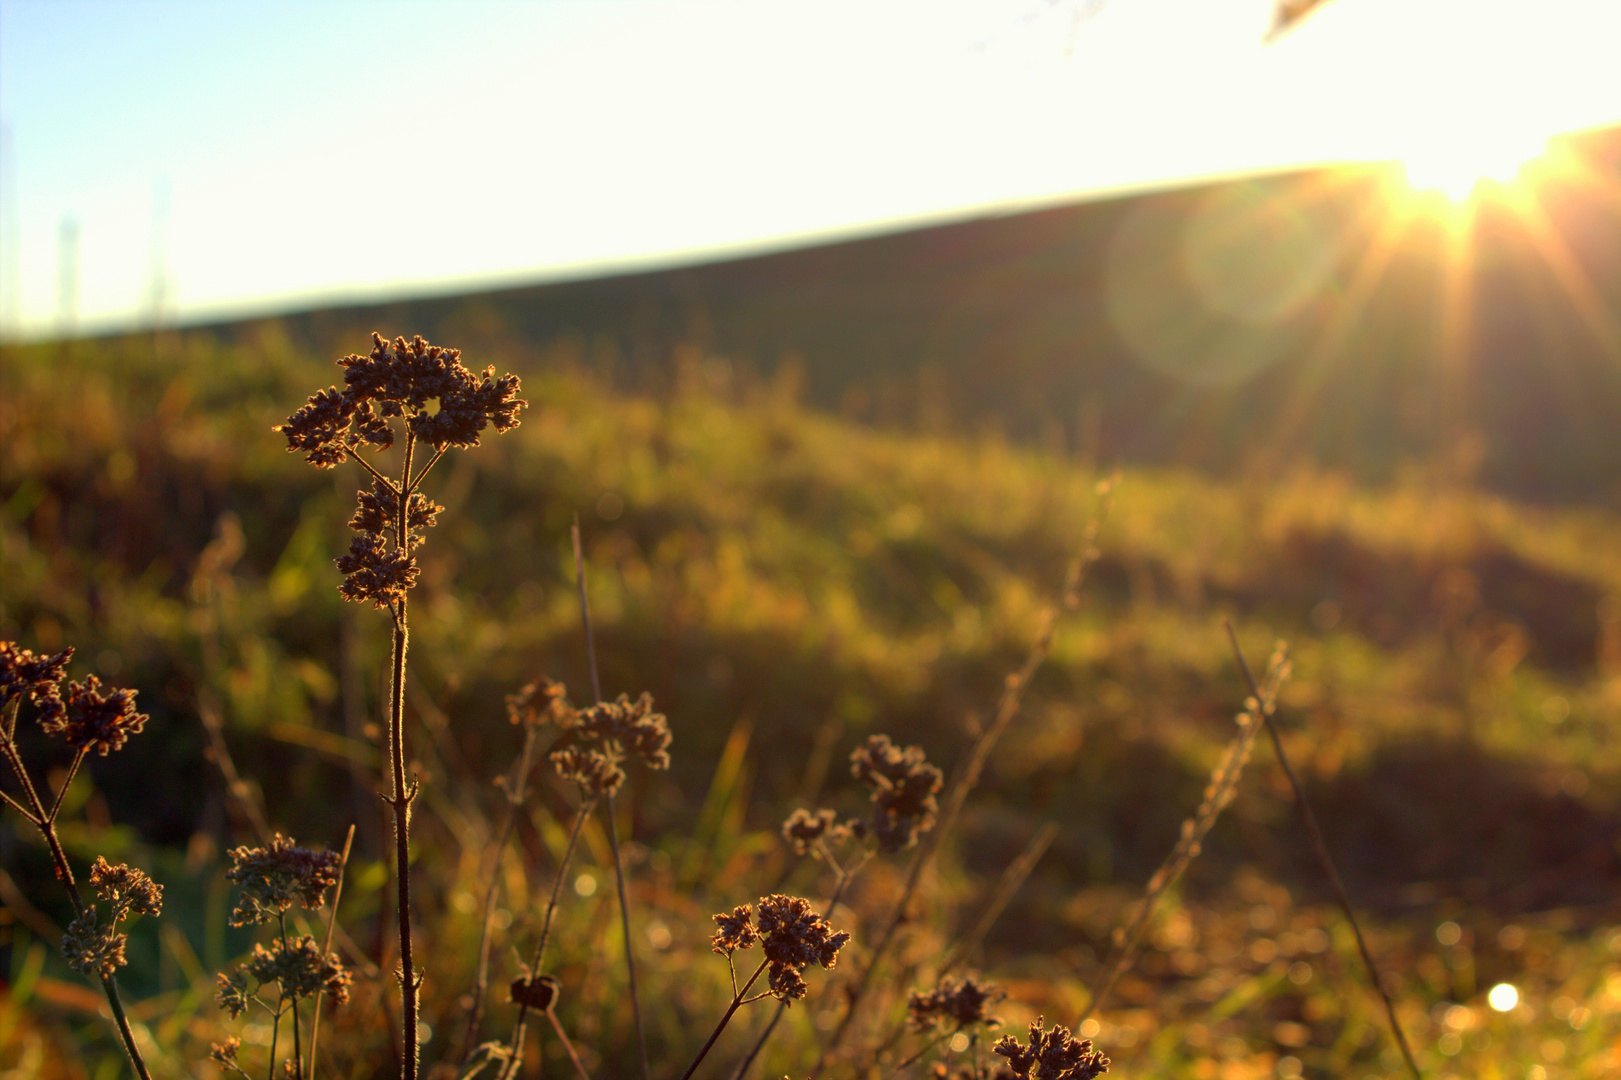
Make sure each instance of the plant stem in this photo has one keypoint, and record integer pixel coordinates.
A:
(624, 921)
(737, 999)
(402, 797)
(1326, 860)
(45, 821)
(516, 1051)
(331, 923)
(608, 802)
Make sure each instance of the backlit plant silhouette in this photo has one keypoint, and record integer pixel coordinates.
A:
(440, 404)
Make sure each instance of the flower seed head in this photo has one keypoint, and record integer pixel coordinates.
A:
(95, 721)
(541, 702)
(38, 678)
(736, 931)
(273, 877)
(129, 891)
(91, 948)
(961, 1002)
(902, 786)
(1054, 1055)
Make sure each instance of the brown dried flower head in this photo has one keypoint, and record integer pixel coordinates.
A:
(400, 379)
(604, 735)
(794, 936)
(37, 678)
(93, 948)
(374, 571)
(273, 877)
(297, 966)
(1052, 1055)
(736, 931)
(95, 721)
(129, 891)
(902, 785)
(959, 1002)
(804, 828)
(225, 1053)
(378, 514)
(541, 702)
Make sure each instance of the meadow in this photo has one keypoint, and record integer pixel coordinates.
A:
(786, 583)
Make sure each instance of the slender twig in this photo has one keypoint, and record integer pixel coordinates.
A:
(585, 610)
(567, 1045)
(1218, 794)
(481, 983)
(968, 777)
(416, 481)
(1012, 878)
(326, 946)
(1327, 862)
(608, 803)
(514, 1055)
(737, 1000)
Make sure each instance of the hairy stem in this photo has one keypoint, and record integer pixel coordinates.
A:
(402, 797)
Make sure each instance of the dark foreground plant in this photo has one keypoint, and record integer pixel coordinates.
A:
(89, 719)
(441, 404)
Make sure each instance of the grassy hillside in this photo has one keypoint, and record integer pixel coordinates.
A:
(785, 582)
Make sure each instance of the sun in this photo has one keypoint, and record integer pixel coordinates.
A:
(1459, 160)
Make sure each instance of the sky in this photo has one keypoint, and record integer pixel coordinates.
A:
(185, 161)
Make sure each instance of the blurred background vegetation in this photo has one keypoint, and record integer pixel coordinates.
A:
(828, 494)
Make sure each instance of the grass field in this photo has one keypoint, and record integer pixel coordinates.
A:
(785, 583)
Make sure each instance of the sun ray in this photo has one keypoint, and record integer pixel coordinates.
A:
(1567, 270)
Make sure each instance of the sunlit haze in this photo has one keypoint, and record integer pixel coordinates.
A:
(182, 161)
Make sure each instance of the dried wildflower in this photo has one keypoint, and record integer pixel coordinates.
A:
(1054, 1055)
(604, 735)
(634, 726)
(232, 995)
(94, 721)
(794, 936)
(736, 931)
(400, 379)
(374, 571)
(596, 772)
(805, 827)
(92, 948)
(902, 786)
(961, 1002)
(129, 891)
(541, 702)
(225, 1053)
(297, 966)
(378, 514)
(38, 678)
(273, 877)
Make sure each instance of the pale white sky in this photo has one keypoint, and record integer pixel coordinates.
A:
(268, 156)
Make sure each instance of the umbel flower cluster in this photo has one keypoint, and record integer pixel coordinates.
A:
(596, 740)
(441, 403)
(1051, 1055)
(272, 879)
(902, 786)
(90, 718)
(958, 1002)
(792, 935)
(97, 948)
